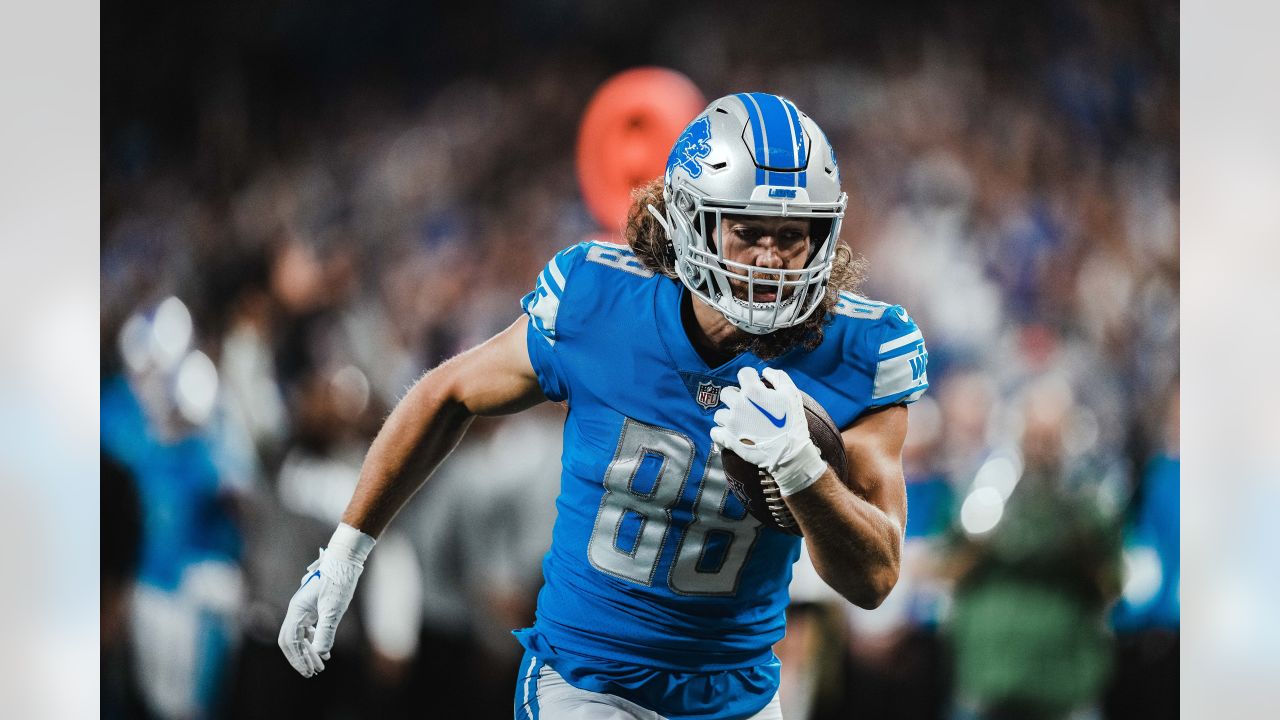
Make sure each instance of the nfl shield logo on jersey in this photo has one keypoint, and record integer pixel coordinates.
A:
(708, 395)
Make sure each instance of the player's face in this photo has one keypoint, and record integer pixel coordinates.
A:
(772, 243)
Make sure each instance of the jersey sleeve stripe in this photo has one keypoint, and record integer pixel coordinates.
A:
(907, 396)
(556, 274)
(915, 395)
(900, 374)
(859, 300)
(904, 340)
(544, 278)
(542, 310)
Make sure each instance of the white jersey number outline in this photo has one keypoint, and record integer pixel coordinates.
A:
(688, 575)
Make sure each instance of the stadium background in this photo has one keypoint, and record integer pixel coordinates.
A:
(305, 207)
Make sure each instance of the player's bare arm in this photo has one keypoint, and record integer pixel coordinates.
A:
(493, 378)
(854, 537)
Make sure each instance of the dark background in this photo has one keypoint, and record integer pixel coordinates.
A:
(337, 196)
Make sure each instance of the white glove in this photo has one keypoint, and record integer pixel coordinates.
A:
(767, 427)
(306, 637)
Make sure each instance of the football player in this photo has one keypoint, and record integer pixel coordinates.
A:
(663, 597)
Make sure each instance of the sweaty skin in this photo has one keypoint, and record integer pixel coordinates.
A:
(493, 378)
(854, 536)
(774, 243)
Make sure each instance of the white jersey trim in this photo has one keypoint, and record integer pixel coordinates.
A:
(900, 374)
(904, 340)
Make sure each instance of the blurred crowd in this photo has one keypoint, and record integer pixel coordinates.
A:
(279, 264)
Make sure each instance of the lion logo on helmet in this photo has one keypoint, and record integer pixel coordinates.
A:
(693, 145)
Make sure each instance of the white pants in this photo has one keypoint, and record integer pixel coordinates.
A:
(549, 697)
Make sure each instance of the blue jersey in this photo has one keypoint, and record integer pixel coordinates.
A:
(654, 563)
(184, 519)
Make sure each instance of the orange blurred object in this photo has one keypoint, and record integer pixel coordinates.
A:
(626, 135)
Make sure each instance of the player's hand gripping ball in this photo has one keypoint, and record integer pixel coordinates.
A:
(776, 441)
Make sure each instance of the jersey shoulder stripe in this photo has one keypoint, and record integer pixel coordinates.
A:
(855, 306)
(885, 342)
(619, 257)
(544, 304)
(901, 359)
(908, 339)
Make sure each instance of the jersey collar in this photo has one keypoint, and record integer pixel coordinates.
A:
(675, 340)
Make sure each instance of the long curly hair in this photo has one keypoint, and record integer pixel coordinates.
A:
(651, 245)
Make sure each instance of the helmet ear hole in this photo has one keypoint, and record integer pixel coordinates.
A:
(819, 229)
(707, 226)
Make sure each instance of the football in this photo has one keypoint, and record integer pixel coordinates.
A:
(756, 488)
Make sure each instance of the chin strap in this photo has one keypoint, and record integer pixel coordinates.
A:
(725, 304)
(666, 226)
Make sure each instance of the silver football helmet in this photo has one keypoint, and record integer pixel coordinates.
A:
(752, 154)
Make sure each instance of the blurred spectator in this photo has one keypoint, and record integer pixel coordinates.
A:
(898, 664)
(121, 552)
(291, 517)
(1152, 540)
(1147, 617)
(245, 311)
(186, 601)
(1036, 565)
(478, 531)
(814, 685)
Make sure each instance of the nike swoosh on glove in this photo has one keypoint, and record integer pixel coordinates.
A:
(767, 427)
(306, 637)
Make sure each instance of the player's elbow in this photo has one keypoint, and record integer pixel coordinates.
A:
(873, 585)
(437, 397)
(879, 583)
(447, 382)
(867, 587)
